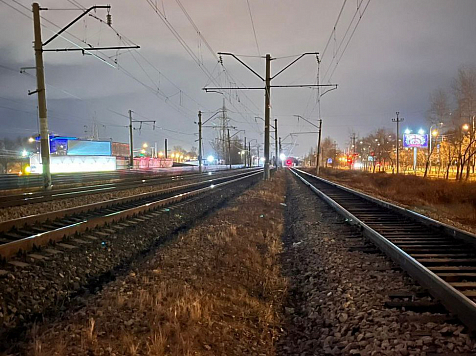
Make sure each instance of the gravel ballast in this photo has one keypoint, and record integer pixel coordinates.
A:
(336, 297)
(215, 290)
(16, 212)
(72, 270)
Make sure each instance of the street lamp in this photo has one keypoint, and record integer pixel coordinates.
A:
(465, 127)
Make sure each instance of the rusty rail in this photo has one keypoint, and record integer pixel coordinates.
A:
(9, 249)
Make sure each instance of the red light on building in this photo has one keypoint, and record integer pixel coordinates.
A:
(289, 162)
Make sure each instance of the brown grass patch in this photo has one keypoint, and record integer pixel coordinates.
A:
(454, 202)
(217, 290)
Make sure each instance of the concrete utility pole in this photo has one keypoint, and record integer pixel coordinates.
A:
(280, 150)
(40, 82)
(199, 141)
(267, 97)
(244, 150)
(267, 88)
(398, 120)
(166, 148)
(229, 148)
(319, 146)
(131, 145)
(131, 148)
(249, 154)
(39, 48)
(276, 141)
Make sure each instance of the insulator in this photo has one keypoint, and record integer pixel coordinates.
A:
(109, 19)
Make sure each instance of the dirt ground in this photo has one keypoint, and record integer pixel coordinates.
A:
(215, 290)
(451, 202)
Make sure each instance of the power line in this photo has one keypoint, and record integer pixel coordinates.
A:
(350, 38)
(357, 11)
(186, 46)
(253, 26)
(334, 29)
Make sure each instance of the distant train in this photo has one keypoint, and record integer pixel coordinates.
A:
(291, 162)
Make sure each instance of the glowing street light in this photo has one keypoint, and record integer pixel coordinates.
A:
(465, 127)
(161, 153)
(421, 132)
(434, 133)
(145, 145)
(408, 131)
(282, 156)
(210, 159)
(24, 153)
(31, 140)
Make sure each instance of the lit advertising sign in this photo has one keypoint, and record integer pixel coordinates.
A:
(415, 140)
(89, 148)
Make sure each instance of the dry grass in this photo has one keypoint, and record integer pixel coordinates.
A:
(439, 198)
(217, 290)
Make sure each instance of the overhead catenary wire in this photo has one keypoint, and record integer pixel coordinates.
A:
(336, 55)
(187, 47)
(253, 26)
(127, 41)
(350, 38)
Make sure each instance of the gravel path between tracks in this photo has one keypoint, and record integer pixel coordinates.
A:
(215, 290)
(60, 204)
(65, 279)
(336, 297)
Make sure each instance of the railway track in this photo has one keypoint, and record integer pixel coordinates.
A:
(130, 182)
(35, 181)
(26, 233)
(439, 257)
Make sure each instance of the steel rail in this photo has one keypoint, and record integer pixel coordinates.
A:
(12, 200)
(454, 300)
(11, 248)
(13, 181)
(19, 223)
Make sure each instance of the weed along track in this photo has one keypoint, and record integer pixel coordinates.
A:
(345, 295)
(47, 282)
(274, 271)
(214, 290)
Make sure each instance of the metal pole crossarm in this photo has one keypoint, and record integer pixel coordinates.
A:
(237, 132)
(214, 90)
(239, 60)
(76, 20)
(290, 64)
(87, 49)
(304, 86)
(301, 133)
(215, 114)
(309, 122)
(335, 87)
(258, 117)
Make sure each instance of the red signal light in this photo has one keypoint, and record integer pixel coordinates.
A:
(289, 162)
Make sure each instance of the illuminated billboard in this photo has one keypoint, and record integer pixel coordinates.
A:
(415, 140)
(71, 164)
(89, 148)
